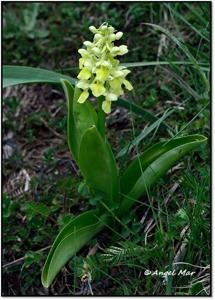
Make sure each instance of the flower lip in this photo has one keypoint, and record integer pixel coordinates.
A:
(83, 97)
(84, 74)
(106, 106)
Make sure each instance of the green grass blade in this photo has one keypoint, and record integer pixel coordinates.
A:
(144, 133)
(182, 18)
(131, 106)
(186, 51)
(183, 84)
(195, 12)
(203, 66)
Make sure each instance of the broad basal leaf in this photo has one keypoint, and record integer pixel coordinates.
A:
(13, 75)
(72, 237)
(98, 165)
(147, 168)
(80, 117)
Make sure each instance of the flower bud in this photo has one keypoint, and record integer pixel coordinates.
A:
(88, 44)
(111, 29)
(115, 50)
(104, 27)
(123, 49)
(93, 29)
(118, 35)
(83, 52)
(96, 50)
(112, 37)
(97, 36)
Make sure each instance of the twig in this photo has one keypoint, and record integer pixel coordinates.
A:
(172, 190)
(93, 250)
(65, 201)
(52, 130)
(21, 259)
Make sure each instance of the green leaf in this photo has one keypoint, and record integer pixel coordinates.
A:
(98, 165)
(80, 117)
(71, 239)
(7, 206)
(144, 133)
(151, 165)
(13, 75)
(31, 257)
(33, 209)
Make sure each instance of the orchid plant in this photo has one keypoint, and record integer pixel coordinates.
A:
(103, 78)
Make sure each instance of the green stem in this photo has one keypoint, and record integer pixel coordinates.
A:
(101, 117)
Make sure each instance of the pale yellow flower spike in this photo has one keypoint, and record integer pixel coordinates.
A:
(100, 71)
